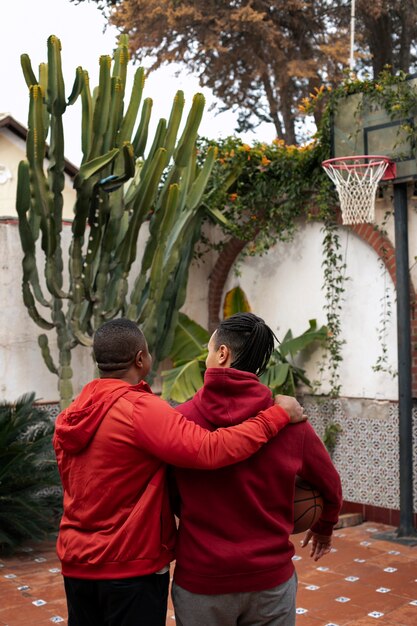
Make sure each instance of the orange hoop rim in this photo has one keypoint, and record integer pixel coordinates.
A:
(373, 160)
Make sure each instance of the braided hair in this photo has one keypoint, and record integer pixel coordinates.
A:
(116, 344)
(249, 339)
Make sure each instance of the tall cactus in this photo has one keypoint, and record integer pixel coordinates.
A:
(165, 185)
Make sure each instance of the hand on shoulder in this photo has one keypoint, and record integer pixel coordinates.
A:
(292, 407)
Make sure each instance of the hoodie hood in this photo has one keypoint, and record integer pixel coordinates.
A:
(77, 425)
(230, 396)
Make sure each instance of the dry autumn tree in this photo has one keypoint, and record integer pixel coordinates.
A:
(260, 57)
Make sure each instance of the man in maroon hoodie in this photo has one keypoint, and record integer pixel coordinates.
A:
(112, 444)
(234, 556)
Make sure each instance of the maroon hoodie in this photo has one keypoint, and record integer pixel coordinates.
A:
(236, 521)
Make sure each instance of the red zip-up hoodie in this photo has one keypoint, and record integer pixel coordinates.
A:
(112, 445)
(235, 522)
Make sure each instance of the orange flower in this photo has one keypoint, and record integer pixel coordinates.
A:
(233, 196)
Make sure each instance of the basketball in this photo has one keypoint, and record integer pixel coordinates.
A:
(308, 505)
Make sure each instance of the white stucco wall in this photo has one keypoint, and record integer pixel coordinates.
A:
(21, 365)
(285, 288)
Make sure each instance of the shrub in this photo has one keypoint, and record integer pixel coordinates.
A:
(30, 492)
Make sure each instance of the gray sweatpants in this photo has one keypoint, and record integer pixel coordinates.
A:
(272, 607)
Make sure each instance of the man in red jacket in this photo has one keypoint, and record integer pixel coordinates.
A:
(234, 556)
(112, 444)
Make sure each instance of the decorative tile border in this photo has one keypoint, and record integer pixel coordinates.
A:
(367, 451)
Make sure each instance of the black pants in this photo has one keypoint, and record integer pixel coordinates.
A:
(139, 601)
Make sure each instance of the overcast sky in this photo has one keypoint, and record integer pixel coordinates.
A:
(25, 27)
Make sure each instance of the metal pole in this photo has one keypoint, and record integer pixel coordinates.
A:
(404, 362)
(352, 36)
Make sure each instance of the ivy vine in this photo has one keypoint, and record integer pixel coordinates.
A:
(265, 190)
(385, 317)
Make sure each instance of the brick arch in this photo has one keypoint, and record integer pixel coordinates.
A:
(367, 232)
(386, 252)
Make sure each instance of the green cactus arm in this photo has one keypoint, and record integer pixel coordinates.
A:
(129, 160)
(79, 318)
(169, 217)
(126, 252)
(121, 60)
(46, 354)
(65, 342)
(92, 255)
(56, 169)
(35, 147)
(53, 279)
(76, 260)
(43, 82)
(56, 88)
(163, 271)
(30, 272)
(100, 285)
(57, 105)
(115, 294)
(82, 338)
(86, 117)
(77, 86)
(187, 177)
(115, 114)
(28, 72)
(186, 143)
(175, 293)
(158, 142)
(101, 107)
(43, 77)
(82, 206)
(174, 123)
(29, 303)
(195, 194)
(52, 225)
(141, 136)
(126, 128)
(185, 153)
(166, 286)
(132, 188)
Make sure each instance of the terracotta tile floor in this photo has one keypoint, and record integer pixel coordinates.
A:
(364, 581)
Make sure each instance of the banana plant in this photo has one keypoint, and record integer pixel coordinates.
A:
(283, 375)
(188, 355)
(123, 181)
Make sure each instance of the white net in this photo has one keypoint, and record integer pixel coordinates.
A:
(356, 182)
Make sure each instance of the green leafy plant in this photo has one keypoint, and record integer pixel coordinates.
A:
(283, 375)
(188, 355)
(331, 434)
(334, 287)
(30, 493)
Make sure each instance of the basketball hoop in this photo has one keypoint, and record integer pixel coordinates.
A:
(356, 179)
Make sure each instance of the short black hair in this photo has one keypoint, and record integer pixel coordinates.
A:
(116, 344)
(249, 339)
